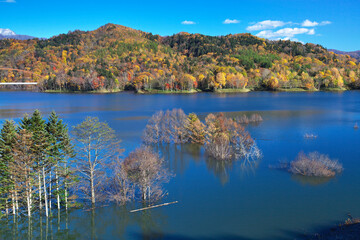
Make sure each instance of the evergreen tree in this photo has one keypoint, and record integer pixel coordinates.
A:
(60, 149)
(7, 138)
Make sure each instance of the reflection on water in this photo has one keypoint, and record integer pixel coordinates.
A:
(178, 158)
(38, 227)
(234, 199)
(313, 181)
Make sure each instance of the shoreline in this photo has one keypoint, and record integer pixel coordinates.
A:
(193, 91)
(350, 229)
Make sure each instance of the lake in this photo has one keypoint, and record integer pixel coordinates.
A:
(216, 200)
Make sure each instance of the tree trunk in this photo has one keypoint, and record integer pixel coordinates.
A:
(13, 202)
(16, 200)
(28, 199)
(6, 207)
(40, 193)
(92, 187)
(45, 194)
(66, 187)
(50, 193)
(144, 193)
(30, 195)
(66, 196)
(57, 189)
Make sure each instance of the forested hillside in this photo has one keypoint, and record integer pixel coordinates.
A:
(115, 58)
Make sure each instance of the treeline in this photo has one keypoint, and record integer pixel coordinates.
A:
(115, 58)
(42, 168)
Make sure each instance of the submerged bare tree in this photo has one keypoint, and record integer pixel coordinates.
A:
(254, 118)
(96, 145)
(219, 147)
(315, 165)
(146, 169)
(166, 127)
(227, 139)
(121, 189)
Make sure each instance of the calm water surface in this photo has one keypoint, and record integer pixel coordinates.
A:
(216, 200)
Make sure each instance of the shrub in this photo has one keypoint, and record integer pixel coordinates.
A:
(254, 118)
(315, 164)
(310, 136)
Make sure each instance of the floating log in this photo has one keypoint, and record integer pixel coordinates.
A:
(155, 206)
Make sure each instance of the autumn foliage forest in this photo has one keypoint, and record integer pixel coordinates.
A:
(115, 58)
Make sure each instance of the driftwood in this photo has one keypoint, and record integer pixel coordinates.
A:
(155, 206)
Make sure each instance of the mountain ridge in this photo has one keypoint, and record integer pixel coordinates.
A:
(354, 54)
(118, 57)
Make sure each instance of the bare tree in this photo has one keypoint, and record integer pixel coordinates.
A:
(145, 168)
(96, 144)
(315, 164)
(166, 127)
(219, 147)
(120, 189)
(227, 139)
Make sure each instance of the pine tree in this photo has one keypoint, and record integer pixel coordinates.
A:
(60, 149)
(7, 138)
(37, 126)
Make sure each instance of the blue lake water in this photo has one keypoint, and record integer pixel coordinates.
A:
(218, 200)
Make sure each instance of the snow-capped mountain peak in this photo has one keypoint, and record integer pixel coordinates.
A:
(6, 32)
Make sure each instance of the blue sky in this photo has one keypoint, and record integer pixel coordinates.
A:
(333, 24)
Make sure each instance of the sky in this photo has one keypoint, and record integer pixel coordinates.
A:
(335, 24)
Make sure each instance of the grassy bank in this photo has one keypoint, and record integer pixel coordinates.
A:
(226, 90)
(157, 91)
(296, 90)
(232, 90)
(94, 91)
(333, 89)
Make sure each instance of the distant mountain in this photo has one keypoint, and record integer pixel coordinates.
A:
(8, 34)
(115, 57)
(354, 54)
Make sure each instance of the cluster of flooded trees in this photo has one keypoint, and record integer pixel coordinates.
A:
(223, 138)
(42, 168)
(34, 166)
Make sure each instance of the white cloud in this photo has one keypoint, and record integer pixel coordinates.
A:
(188, 22)
(285, 33)
(308, 23)
(311, 32)
(229, 21)
(267, 24)
(325, 23)
(9, 1)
